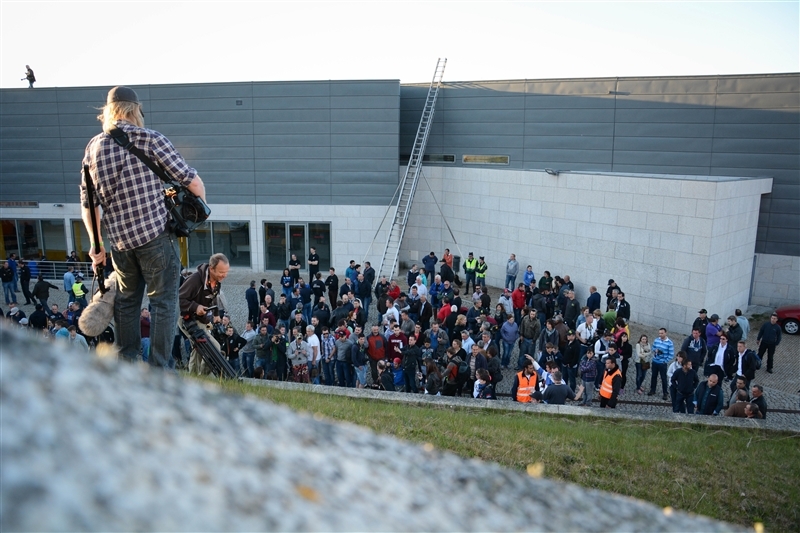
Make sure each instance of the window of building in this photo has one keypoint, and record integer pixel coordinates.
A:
(229, 238)
(282, 239)
(431, 158)
(31, 239)
(485, 159)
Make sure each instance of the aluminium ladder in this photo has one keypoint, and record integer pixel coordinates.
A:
(408, 185)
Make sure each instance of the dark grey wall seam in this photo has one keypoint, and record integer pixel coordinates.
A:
(330, 139)
(64, 179)
(713, 126)
(614, 126)
(253, 136)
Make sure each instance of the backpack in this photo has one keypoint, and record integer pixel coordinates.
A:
(757, 359)
(463, 371)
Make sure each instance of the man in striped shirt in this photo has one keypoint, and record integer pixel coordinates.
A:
(663, 352)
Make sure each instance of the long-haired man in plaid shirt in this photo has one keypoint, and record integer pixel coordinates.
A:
(135, 218)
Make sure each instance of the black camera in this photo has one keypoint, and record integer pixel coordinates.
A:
(187, 211)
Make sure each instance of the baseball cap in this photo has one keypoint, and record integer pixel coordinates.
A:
(397, 360)
(121, 93)
(702, 312)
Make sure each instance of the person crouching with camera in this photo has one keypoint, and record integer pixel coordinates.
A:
(135, 218)
(199, 297)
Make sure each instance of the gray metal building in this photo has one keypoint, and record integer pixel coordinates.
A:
(707, 126)
(272, 151)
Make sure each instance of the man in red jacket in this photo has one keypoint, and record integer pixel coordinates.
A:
(376, 349)
(518, 299)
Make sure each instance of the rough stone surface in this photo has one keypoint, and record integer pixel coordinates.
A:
(91, 444)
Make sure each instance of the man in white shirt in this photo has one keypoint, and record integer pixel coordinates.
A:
(421, 288)
(466, 341)
(585, 333)
(313, 351)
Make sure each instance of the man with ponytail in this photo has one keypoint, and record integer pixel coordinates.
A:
(130, 198)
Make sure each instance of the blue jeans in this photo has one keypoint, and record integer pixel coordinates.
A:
(361, 375)
(658, 369)
(588, 392)
(154, 265)
(307, 312)
(640, 374)
(328, 369)
(365, 303)
(234, 365)
(343, 372)
(508, 347)
(511, 282)
(8, 292)
(145, 348)
(525, 348)
(248, 358)
(261, 363)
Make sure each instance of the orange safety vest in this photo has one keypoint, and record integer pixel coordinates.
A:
(524, 392)
(606, 389)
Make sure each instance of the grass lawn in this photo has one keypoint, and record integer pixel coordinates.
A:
(743, 476)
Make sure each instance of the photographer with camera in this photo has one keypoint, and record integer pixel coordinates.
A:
(136, 221)
(198, 301)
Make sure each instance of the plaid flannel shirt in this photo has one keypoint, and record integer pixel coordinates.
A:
(131, 196)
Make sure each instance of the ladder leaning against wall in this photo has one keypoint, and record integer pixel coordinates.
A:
(404, 194)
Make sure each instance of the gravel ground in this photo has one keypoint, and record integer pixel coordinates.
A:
(780, 388)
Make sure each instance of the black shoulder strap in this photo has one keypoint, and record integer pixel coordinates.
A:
(122, 139)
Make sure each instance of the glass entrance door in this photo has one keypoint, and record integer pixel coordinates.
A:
(275, 236)
(282, 239)
(297, 244)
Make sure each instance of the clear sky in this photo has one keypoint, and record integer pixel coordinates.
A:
(72, 43)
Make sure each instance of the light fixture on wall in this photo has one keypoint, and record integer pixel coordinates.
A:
(552, 172)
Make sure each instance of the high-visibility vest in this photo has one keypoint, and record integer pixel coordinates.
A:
(77, 289)
(606, 389)
(527, 384)
(469, 265)
(480, 270)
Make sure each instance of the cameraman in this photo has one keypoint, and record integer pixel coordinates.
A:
(135, 218)
(199, 292)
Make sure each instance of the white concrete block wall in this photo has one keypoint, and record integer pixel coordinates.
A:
(777, 280)
(658, 237)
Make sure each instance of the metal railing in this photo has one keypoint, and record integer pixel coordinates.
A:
(55, 270)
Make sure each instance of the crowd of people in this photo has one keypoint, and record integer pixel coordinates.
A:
(430, 337)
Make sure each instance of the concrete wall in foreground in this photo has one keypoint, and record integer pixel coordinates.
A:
(673, 243)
